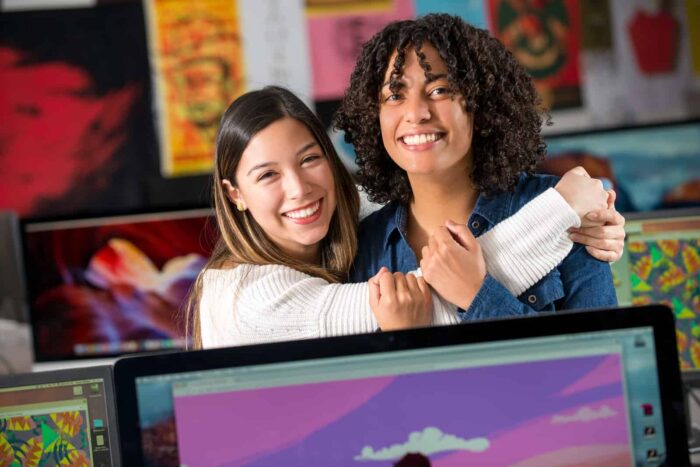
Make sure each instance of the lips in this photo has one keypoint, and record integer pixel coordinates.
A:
(305, 212)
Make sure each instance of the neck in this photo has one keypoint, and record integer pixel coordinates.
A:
(434, 201)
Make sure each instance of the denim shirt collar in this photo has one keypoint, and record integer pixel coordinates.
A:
(492, 209)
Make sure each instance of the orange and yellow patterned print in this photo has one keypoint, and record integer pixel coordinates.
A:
(668, 272)
(197, 50)
(51, 439)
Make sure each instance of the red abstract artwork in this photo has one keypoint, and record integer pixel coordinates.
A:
(55, 130)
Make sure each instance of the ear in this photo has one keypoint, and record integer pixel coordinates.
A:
(233, 194)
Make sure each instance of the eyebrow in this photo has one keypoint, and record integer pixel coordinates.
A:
(433, 77)
(303, 149)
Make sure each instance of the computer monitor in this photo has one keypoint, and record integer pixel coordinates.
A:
(661, 264)
(64, 417)
(651, 167)
(588, 388)
(106, 286)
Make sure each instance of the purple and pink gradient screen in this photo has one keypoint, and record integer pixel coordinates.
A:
(569, 410)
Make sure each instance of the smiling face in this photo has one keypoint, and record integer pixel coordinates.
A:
(286, 182)
(425, 128)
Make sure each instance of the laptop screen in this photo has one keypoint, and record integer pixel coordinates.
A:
(589, 398)
(46, 419)
(661, 264)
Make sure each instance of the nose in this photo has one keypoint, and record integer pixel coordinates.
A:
(417, 108)
(296, 185)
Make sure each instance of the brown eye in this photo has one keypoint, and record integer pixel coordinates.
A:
(265, 175)
(311, 158)
(440, 91)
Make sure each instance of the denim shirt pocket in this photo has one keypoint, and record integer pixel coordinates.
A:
(543, 295)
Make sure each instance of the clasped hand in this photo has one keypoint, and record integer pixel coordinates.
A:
(452, 263)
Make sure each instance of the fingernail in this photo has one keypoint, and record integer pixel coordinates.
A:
(572, 236)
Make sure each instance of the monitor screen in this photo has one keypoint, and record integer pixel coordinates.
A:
(661, 264)
(51, 420)
(589, 398)
(112, 285)
(650, 167)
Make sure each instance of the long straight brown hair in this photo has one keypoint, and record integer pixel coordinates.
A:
(241, 239)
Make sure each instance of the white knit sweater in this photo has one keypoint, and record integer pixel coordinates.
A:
(253, 304)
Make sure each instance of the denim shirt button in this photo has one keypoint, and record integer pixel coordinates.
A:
(475, 224)
(532, 298)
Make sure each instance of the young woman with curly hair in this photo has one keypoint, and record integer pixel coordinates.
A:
(447, 129)
(287, 212)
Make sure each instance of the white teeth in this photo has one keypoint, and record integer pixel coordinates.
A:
(302, 213)
(412, 140)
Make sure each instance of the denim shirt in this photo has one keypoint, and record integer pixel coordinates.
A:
(579, 281)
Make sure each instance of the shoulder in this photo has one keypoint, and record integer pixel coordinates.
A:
(530, 186)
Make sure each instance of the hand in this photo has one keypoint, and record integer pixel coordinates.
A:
(604, 242)
(453, 264)
(400, 301)
(583, 193)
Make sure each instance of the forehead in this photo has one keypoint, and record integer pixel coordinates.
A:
(411, 64)
(279, 141)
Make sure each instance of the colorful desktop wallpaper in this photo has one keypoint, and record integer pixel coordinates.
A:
(650, 168)
(557, 412)
(52, 438)
(113, 288)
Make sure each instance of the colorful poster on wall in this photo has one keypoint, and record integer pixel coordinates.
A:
(336, 39)
(471, 11)
(656, 86)
(197, 54)
(75, 108)
(544, 37)
(275, 45)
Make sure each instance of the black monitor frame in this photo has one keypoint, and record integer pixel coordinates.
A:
(660, 318)
(76, 374)
(31, 291)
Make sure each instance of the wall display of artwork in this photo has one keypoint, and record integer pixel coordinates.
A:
(200, 52)
(76, 127)
(197, 56)
(595, 70)
(544, 38)
(336, 37)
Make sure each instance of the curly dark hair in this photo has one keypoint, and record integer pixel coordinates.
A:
(496, 89)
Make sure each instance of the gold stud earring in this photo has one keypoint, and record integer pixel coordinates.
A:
(240, 205)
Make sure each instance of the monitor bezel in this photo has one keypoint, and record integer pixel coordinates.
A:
(660, 318)
(622, 127)
(75, 374)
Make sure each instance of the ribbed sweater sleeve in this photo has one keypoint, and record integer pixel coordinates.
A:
(252, 304)
(523, 248)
